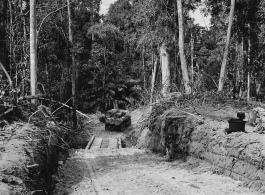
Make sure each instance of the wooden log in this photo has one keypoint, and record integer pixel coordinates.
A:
(90, 142)
(110, 113)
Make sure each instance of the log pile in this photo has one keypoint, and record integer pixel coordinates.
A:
(117, 120)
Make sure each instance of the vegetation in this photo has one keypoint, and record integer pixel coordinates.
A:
(135, 53)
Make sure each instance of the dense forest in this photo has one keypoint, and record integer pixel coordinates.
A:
(140, 51)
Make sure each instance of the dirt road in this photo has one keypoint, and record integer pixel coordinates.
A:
(129, 171)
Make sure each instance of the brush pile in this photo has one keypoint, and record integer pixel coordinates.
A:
(33, 144)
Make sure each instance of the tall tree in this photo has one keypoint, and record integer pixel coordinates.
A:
(165, 69)
(33, 48)
(192, 58)
(3, 24)
(225, 57)
(181, 49)
(73, 73)
(154, 72)
(248, 52)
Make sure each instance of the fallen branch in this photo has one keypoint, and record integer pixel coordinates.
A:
(31, 97)
(193, 116)
(10, 83)
(7, 75)
(33, 114)
(9, 106)
(3, 169)
(61, 106)
(42, 97)
(32, 166)
(6, 112)
(211, 78)
(32, 192)
(77, 111)
(65, 126)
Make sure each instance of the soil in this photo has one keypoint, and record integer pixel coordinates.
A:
(133, 171)
(13, 158)
(30, 152)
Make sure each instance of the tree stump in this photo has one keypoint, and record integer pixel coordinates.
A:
(252, 115)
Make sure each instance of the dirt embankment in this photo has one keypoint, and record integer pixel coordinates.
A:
(30, 154)
(239, 155)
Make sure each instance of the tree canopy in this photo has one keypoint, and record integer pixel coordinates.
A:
(116, 54)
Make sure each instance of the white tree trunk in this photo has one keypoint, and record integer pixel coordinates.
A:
(248, 88)
(183, 61)
(25, 56)
(154, 71)
(224, 62)
(241, 65)
(192, 51)
(164, 56)
(33, 48)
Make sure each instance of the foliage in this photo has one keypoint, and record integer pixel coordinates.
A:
(121, 46)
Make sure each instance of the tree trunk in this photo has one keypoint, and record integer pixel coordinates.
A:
(62, 86)
(11, 36)
(153, 79)
(33, 49)
(181, 50)
(25, 55)
(104, 81)
(224, 62)
(198, 78)
(235, 72)
(4, 39)
(143, 61)
(192, 69)
(174, 71)
(241, 66)
(73, 74)
(164, 56)
(248, 87)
